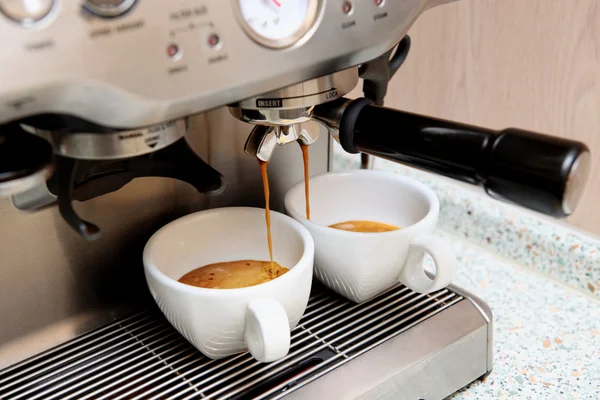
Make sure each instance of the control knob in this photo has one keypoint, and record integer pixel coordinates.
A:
(26, 12)
(108, 8)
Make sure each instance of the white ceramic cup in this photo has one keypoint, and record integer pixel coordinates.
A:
(361, 265)
(221, 322)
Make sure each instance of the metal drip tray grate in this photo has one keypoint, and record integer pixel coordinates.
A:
(143, 357)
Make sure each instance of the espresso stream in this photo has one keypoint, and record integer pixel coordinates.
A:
(354, 225)
(304, 148)
(244, 273)
(240, 273)
(265, 179)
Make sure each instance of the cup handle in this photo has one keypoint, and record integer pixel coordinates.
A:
(413, 275)
(267, 332)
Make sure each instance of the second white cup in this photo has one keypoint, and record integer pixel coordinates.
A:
(361, 265)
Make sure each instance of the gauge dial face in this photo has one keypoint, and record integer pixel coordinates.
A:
(278, 23)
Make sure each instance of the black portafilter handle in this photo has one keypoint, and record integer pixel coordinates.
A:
(543, 173)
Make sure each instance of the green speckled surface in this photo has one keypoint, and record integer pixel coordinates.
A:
(546, 335)
(542, 282)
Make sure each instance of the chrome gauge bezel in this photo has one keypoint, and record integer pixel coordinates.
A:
(302, 32)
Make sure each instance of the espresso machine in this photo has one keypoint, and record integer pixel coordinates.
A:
(102, 100)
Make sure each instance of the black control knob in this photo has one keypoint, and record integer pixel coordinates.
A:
(108, 8)
(540, 172)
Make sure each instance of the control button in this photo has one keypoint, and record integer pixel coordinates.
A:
(174, 52)
(214, 41)
(108, 8)
(347, 7)
(379, 3)
(26, 11)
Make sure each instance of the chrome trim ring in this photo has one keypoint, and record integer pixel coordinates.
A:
(302, 33)
(108, 10)
(114, 145)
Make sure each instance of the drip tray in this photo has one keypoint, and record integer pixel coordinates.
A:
(377, 349)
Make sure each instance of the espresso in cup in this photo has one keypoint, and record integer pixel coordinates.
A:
(240, 273)
(244, 273)
(364, 226)
(233, 274)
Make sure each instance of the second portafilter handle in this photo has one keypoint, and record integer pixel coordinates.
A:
(541, 172)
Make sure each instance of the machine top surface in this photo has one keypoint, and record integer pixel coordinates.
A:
(134, 63)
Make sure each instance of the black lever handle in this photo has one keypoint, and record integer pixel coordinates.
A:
(540, 172)
(376, 74)
(86, 179)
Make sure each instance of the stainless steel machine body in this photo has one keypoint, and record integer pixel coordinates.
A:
(120, 80)
(126, 65)
(164, 60)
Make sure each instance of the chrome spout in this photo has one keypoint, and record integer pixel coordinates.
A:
(263, 140)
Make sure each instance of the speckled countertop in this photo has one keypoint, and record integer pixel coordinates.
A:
(546, 335)
(542, 282)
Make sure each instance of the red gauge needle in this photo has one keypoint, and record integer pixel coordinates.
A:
(278, 4)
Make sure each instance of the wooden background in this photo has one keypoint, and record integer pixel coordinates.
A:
(531, 64)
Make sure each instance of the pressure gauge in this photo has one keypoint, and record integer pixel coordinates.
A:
(277, 23)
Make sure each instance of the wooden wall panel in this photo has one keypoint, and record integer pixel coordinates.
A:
(531, 64)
